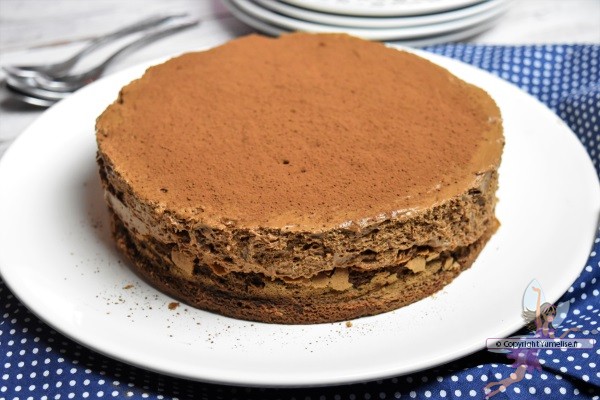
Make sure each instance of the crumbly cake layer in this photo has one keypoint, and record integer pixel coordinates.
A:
(312, 178)
(353, 288)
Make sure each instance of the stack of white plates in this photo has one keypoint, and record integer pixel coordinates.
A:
(410, 22)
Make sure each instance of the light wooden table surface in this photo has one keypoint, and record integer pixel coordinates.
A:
(33, 31)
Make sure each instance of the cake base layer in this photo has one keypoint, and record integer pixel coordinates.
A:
(250, 296)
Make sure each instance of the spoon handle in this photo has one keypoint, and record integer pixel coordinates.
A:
(71, 83)
(61, 68)
(103, 40)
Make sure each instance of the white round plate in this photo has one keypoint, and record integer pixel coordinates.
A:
(382, 8)
(376, 22)
(272, 18)
(59, 259)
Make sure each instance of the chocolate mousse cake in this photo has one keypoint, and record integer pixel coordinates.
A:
(305, 179)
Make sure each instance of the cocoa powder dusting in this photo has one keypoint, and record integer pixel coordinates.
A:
(305, 129)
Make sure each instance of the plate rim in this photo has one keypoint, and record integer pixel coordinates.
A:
(330, 7)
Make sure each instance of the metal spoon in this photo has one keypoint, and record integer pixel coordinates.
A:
(25, 98)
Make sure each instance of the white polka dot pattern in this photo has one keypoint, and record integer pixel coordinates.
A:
(39, 363)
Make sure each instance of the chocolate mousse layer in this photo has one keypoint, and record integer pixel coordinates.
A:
(310, 178)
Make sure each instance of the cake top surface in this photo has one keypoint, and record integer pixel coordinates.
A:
(306, 130)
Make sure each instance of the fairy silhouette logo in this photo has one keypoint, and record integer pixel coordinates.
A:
(542, 321)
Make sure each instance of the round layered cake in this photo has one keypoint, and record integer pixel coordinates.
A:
(305, 179)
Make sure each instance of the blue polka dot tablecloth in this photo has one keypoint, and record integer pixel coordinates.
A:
(39, 363)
